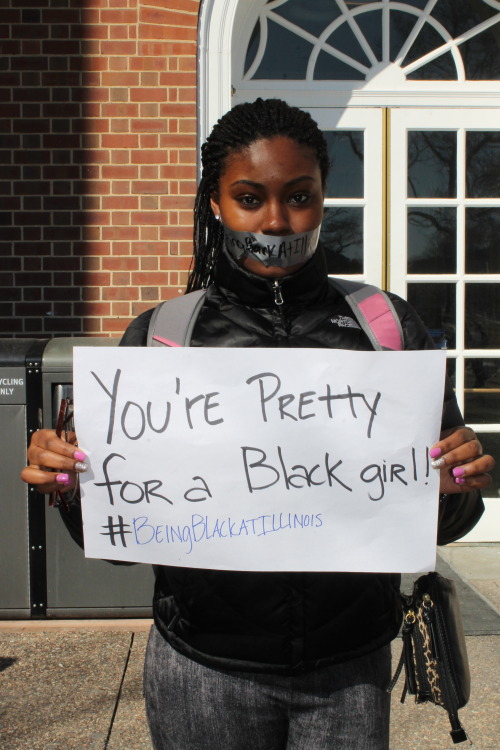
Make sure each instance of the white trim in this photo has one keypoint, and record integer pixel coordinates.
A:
(215, 33)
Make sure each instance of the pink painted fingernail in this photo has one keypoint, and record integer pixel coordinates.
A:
(458, 471)
(435, 452)
(62, 478)
(459, 480)
(79, 456)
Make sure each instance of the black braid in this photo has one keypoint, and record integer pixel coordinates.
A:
(236, 130)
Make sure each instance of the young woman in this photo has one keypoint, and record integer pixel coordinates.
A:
(274, 661)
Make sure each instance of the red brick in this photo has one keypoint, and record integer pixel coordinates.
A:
(120, 309)
(120, 188)
(119, 140)
(148, 278)
(176, 233)
(140, 307)
(149, 202)
(116, 202)
(92, 326)
(119, 172)
(120, 233)
(149, 264)
(149, 248)
(158, 125)
(115, 325)
(119, 293)
(150, 233)
(117, 16)
(148, 172)
(149, 140)
(120, 218)
(148, 217)
(148, 95)
(120, 279)
(120, 79)
(166, 49)
(118, 47)
(148, 63)
(150, 157)
(120, 264)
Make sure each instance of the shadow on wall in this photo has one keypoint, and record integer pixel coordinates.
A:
(42, 168)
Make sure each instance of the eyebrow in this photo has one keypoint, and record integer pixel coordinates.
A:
(251, 183)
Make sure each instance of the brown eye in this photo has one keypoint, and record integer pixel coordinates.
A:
(249, 201)
(299, 198)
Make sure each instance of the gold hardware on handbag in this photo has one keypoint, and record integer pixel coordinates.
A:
(434, 653)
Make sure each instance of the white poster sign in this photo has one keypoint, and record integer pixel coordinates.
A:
(260, 459)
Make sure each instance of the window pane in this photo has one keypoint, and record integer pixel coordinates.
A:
(443, 68)
(481, 56)
(432, 240)
(459, 17)
(401, 26)
(371, 26)
(286, 55)
(313, 17)
(342, 239)
(483, 164)
(482, 390)
(482, 230)
(253, 46)
(344, 40)
(436, 305)
(432, 164)
(330, 68)
(345, 149)
(451, 367)
(491, 444)
(427, 41)
(482, 313)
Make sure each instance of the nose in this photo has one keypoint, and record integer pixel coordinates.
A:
(275, 219)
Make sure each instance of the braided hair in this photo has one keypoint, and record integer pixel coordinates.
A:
(235, 131)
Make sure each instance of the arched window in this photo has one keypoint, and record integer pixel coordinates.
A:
(434, 40)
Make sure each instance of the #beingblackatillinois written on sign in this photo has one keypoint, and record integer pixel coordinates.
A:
(260, 459)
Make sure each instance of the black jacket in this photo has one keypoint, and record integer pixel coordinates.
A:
(287, 622)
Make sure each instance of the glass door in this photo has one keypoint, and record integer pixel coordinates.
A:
(444, 254)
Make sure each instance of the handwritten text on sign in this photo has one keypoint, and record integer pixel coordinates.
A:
(260, 459)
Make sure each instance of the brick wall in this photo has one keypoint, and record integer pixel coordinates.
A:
(97, 161)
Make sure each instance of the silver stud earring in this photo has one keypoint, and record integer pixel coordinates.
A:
(216, 217)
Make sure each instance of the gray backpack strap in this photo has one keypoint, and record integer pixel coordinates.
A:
(173, 321)
(374, 312)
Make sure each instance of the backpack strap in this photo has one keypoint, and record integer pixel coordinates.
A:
(374, 312)
(173, 321)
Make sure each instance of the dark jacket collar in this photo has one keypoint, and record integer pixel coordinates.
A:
(306, 286)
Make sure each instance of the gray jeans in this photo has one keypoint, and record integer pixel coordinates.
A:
(193, 707)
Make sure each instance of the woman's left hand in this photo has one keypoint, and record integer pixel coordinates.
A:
(459, 457)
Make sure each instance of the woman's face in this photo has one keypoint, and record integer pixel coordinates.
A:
(271, 187)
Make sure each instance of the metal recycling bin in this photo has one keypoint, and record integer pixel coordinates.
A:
(44, 572)
(20, 405)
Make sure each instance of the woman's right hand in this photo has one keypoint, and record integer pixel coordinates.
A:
(53, 463)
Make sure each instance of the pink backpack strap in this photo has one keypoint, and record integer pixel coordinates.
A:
(374, 312)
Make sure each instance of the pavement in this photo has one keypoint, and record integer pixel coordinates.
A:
(73, 684)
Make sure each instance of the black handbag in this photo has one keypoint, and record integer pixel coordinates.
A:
(434, 653)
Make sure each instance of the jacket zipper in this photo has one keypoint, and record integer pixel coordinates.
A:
(278, 297)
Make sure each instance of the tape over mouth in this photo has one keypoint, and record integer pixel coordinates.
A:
(272, 250)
